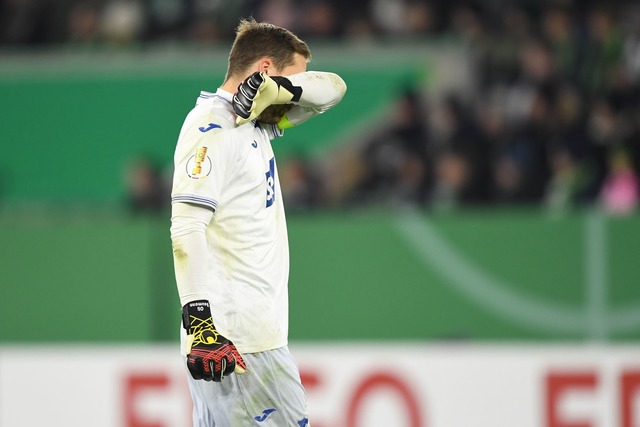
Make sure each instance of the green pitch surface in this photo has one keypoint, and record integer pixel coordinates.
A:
(477, 276)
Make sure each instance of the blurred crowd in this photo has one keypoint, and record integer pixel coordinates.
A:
(554, 119)
(96, 23)
(102, 23)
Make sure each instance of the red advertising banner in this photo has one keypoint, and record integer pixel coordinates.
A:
(348, 385)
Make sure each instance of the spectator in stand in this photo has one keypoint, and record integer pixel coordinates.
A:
(146, 190)
(84, 25)
(32, 22)
(564, 186)
(620, 193)
(559, 32)
(302, 185)
(602, 51)
(122, 22)
(395, 162)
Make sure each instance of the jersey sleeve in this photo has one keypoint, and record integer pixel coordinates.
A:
(204, 154)
(189, 242)
(320, 92)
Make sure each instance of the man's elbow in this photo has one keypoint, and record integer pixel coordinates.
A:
(180, 252)
(332, 93)
(339, 88)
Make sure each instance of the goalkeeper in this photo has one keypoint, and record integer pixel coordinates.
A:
(228, 229)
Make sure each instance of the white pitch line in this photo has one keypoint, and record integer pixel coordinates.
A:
(480, 287)
(596, 275)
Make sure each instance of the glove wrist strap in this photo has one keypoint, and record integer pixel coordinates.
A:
(196, 315)
(296, 91)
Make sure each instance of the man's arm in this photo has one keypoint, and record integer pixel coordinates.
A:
(311, 93)
(320, 92)
(210, 356)
(188, 225)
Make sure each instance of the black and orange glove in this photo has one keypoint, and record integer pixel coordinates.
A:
(210, 355)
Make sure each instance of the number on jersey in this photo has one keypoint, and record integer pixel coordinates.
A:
(271, 182)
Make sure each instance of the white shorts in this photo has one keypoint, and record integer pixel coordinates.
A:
(269, 394)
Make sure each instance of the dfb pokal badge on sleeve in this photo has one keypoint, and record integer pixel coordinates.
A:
(199, 165)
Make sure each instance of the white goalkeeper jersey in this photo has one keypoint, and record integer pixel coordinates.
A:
(232, 170)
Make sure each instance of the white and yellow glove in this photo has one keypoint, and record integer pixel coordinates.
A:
(259, 91)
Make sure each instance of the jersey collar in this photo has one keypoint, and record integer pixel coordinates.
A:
(227, 96)
(220, 93)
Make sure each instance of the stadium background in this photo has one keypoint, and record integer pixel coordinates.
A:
(463, 225)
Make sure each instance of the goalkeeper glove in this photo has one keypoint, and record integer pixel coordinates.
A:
(210, 355)
(259, 91)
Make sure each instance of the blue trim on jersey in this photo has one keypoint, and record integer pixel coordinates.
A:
(277, 132)
(213, 95)
(198, 200)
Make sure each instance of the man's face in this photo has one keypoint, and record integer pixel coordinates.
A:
(273, 114)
